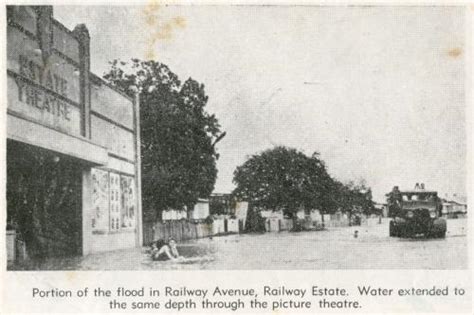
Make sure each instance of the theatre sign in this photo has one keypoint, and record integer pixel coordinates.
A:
(42, 86)
(58, 109)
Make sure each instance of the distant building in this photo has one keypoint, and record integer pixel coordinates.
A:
(200, 210)
(221, 203)
(454, 206)
(381, 209)
(270, 214)
(170, 215)
(241, 209)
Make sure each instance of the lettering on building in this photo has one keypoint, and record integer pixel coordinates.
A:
(36, 96)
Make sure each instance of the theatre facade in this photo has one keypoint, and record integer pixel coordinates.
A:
(73, 144)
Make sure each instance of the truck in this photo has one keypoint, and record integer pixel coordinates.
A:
(415, 212)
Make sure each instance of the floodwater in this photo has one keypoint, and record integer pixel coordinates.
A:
(335, 248)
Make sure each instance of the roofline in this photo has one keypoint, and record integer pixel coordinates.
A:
(419, 191)
(452, 201)
(95, 79)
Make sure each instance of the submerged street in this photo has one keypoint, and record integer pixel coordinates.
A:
(334, 248)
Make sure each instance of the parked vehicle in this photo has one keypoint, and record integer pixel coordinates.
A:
(415, 212)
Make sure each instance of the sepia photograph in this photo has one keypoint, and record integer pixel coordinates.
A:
(237, 137)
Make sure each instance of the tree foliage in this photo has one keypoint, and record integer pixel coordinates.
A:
(178, 136)
(284, 178)
(353, 197)
(287, 179)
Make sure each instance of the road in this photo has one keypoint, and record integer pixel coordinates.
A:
(335, 248)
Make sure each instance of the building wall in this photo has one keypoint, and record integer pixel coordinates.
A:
(272, 214)
(453, 207)
(241, 209)
(173, 215)
(49, 97)
(200, 211)
(112, 241)
(57, 104)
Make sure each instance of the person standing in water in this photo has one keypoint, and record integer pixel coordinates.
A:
(165, 251)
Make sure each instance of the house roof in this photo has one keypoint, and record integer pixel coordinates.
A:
(418, 191)
(452, 201)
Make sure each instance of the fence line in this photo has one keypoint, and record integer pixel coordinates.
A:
(183, 230)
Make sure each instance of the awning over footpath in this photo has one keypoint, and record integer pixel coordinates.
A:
(35, 134)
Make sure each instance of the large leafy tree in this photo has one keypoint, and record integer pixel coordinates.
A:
(287, 179)
(178, 135)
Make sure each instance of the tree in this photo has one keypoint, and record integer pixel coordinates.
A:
(178, 136)
(351, 197)
(287, 179)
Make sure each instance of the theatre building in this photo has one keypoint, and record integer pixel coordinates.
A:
(73, 159)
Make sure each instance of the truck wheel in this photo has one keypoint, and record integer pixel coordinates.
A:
(442, 232)
(402, 233)
(392, 230)
(437, 234)
(405, 232)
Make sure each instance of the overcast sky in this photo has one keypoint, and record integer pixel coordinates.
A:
(377, 91)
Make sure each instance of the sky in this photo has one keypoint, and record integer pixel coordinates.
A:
(379, 92)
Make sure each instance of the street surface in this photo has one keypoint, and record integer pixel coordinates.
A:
(335, 248)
